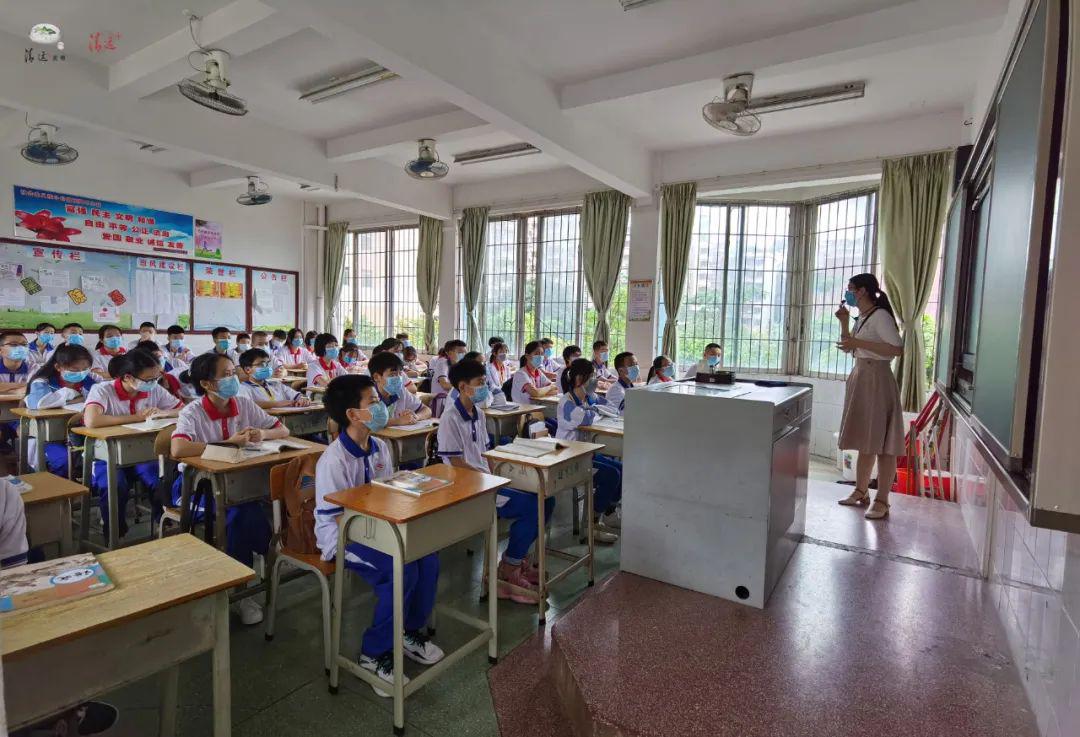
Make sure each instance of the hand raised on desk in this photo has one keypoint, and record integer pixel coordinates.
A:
(301, 401)
(407, 418)
(245, 436)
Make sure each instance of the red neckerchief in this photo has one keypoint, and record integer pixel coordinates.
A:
(533, 373)
(232, 410)
(131, 399)
(327, 369)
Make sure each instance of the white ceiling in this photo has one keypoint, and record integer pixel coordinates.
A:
(472, 61)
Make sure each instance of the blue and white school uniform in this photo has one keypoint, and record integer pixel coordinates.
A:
(604, 372)
(495, 380)
(54, 394)
(102, 358)
(343, 465)
(607, 481)
(463, 434)
(268, 391)
(114, 401)
(40, 351)
(523, 377)
(19, 375)
(229, 352)
(440, 369)
(200, 422)
(178, 360)
(551, 365)
(616, 394)
(321, 368)
(399, 404)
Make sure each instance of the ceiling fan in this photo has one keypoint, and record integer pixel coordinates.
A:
(210, 88)
(427, 165)
(41, 148)
(737, 112)
(258, 193)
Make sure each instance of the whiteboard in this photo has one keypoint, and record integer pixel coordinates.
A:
(45, 283)
(219, 296)
(273, 300)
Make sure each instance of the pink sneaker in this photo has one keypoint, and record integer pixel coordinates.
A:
(530, 572)
(517, 578)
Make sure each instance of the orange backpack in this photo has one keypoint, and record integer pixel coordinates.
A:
(293, 484)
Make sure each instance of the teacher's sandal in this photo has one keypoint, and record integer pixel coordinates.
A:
(878, 510)
(857, 499)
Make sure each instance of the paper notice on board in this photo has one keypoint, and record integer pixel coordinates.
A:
(264, 300)
(93, 283)
(162, 287)
(12, 297)
(144, 292)
(106, 313)
(179, 304)
(10, 270)
(54, 278)
(53, 305)
(165, 318)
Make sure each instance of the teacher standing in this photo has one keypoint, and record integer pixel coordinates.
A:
(873, 422)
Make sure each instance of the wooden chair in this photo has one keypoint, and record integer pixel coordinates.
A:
(282, 553)
(167, 468)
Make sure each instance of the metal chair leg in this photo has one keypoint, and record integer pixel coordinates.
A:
(275, 577)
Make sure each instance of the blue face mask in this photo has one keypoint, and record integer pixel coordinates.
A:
(849, 298)
(46, 338)
(350, 341)
(74, 377)
(549, 352)
(145, 386)
(406, 343)
(75, 339)
(18, 353)
(480, 394)
(536, 361)
(347, 360)
(311, 343)
(222, 345)
(668, 371)
(262, 373)
(332, 353)
(228, 387)
(162, 362)
(297, 342)
(713, 360)
(113, 342)
(394, 384)
(633, 373)
(379, 417)
(603, 356)
(177, 344)
(241, 347)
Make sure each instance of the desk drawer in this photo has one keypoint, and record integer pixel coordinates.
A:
(129, 451)
(427, 534)
(576, 472)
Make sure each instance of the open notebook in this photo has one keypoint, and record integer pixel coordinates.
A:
(533, 447)
(238, 454)
(412, 482)
(26, 588)
(152, 425)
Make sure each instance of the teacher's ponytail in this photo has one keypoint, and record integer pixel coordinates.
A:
(869, 282)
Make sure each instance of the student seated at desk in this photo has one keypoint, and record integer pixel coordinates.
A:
(43, 343)
(576, 408)
(64, 379)
(570, 354)
(551, 363)
(403, 338)
(243, 343)
(221, 416)
(261, 339)
(325, 366)
(405, 408)
(72, 333)
(498, 370)
(529, 381)
(709, 363)
(626, 366)
(255, 371)
(604, 375)
(222, 344)
(293, 355)
(178, 354)
(147, 331)
(451, 353)
(309, 339)
(463, 439)
(413, 365)
(109, 346)
(354, 459)
(170, 373)
(349, 357)
(135, 395)
(15, 363)
(277, 339)
(662, 371)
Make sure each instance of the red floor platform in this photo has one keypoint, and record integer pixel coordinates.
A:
(850, 645)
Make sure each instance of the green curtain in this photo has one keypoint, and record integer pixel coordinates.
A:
(428, 265)
(676, 223)
(911, 212)
(333, 265)
(603, 235)
(473, 239)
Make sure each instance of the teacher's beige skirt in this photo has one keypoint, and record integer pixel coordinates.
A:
(873, 421)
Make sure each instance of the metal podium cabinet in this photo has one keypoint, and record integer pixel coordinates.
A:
(714, 485)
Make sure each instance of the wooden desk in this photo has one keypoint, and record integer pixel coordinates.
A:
(501, 422)
(609, 435)
(408, 528)
(120, 447)
(169, 605)
(551, 406)
(313, 391)
(407, 445)
(233, 483)
(48, 509)
(547, 476)
(296, 371)
(301, 420)
(47, 425)
(9, 402)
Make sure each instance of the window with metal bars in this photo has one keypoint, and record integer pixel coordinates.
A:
(378, 294)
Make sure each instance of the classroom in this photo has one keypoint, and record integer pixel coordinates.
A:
(636, 368)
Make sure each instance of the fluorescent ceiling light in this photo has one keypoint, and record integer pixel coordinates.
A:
(340, 85)
(806, 98)
(494, 154)
(631, 4)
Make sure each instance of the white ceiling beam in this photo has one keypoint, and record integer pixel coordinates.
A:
(482, 73)
(218, 177)
(373, 143)
(74, 92)
(240, 27)
(911, 24)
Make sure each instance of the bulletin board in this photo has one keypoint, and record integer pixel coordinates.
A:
(219, 294)
(46, 283)
(273, 298)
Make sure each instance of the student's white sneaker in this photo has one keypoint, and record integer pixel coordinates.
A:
(251, 611)
(612, 521)
(383, 667)
(420, 648)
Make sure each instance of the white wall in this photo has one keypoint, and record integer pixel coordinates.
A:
(267, 236)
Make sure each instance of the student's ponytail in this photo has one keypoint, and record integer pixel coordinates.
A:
(869, 282)
(582, 367)
(657, 364)
(65, 354)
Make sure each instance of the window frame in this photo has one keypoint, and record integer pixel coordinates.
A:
(389, 277)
